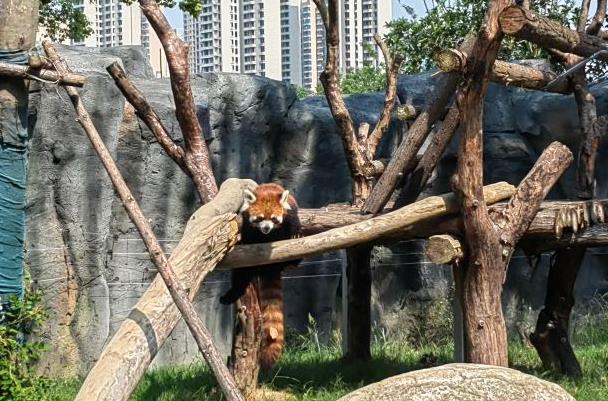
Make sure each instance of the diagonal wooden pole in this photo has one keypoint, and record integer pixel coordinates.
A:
(178, 293)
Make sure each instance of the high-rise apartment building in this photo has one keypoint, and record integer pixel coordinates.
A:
(280, 39)
(115, 23)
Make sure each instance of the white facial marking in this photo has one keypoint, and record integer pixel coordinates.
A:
(285, 200)
(266, 226)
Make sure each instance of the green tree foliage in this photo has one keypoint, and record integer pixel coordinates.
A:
(363, 80)
(62, 21)
(417, 38)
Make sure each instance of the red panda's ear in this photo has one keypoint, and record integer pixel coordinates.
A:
(248, 199)
(284, 200)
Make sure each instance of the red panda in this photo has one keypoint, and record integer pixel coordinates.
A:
(269, 214)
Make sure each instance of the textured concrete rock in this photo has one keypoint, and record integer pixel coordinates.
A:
(86, 256)
(461, 382)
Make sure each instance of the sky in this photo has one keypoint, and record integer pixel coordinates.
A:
(174, 15)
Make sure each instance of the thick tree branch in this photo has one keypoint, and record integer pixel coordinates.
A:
(25, 72)
(515, 219)
(550, 34)
(196, 152)
(148, 115)
(324, 12)
(583, 16)
(157, 254)
(508, 74)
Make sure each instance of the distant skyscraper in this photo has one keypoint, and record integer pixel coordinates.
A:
(115, 24)
(284, 43)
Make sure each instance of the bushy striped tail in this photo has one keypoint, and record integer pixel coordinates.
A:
(271, 304)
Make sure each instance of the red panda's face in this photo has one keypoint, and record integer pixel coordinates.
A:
(265, 208)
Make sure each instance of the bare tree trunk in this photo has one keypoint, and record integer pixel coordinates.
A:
(18, 24)
(490, 242)
(548, 33)
(196, 156)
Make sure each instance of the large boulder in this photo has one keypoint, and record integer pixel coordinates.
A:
(461, 382)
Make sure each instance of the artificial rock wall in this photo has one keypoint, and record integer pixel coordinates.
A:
(86, 256)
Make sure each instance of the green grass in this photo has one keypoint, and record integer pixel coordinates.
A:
(313, 372)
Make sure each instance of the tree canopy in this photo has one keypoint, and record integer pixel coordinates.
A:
(447, 22)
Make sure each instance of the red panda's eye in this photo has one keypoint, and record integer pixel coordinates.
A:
(275, 220)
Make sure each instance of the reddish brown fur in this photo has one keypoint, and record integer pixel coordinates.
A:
(267, 201)
(271, 305)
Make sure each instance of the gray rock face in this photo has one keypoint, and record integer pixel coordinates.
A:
(85, 254)
(461, 382)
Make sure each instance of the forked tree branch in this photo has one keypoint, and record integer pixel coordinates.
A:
(148, 115)
(330, 78)
(176, 50)
(393, 65)
(583, 16)
(598, 19)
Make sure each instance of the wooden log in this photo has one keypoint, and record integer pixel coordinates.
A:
(25, 72)
(505, 73)
(358, 233)
(444, 249)
(548, 33)
(179, 295)
(246, 340)
(211, 231)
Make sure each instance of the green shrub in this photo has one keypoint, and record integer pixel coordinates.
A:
(18, 379)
